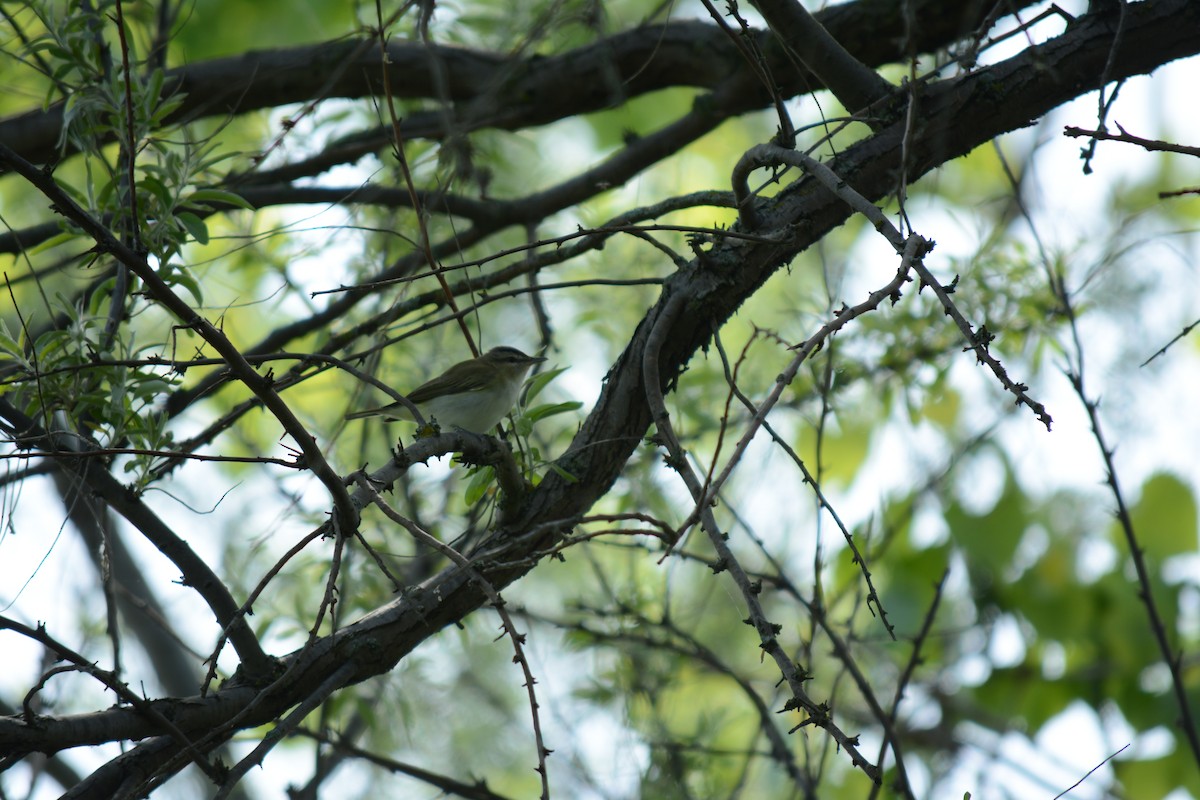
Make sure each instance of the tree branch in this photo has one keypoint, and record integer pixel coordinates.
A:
(853, 83)
(493, 91)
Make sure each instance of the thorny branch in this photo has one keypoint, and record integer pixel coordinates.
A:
(977, 341)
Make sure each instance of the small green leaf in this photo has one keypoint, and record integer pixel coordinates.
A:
(9, 345)
(179, 275)
(201, 196)
(101, 295)
(550, 409)
(524, 426)
(53, 241)
(195, 226)
(157, 188)
(167, 108)
(105, 192)
(539, 381)
(479, 485)
(154, 84)
(562, 473)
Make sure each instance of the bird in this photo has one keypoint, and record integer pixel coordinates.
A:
(473, 395)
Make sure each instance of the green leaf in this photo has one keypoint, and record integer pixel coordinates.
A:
(53, 241)
(1164, 519)
(167, 107)
(154, 85)
(101, 296)
(524, 426)
(539, 381)
(10, 345)
(195, 226)
(219, 196)
(480, 483)
(178, 275)
(105, 192)
(550, 409)
(159, 189)
(562, 473)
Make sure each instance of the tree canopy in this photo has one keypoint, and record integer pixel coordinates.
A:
(813, 496)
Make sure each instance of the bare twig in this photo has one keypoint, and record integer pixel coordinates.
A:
(914, 661)
(251, 599)
(1104, 100)
(1158, 627)
(747, 45)
(874, 602)
(1124, 136)
(1162, 350)
(398, 150)
(1088, 774)
(290, 723)
(818, 713)
(470, 791)
(105, 453)
(977, 341)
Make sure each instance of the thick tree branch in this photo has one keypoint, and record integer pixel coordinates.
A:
(490, 90)
(853, 83)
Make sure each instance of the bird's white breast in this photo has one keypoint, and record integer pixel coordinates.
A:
(478, 411)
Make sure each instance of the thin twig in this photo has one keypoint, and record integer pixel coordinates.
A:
(251, 599)
(818, 713)
(515, 638)
(1124, 136)
(1077, 783)
(287, 725)
(914, 661)
(398, 150)
(874, 601)
(1162, 350)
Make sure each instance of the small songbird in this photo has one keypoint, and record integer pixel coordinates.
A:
(473, 395)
